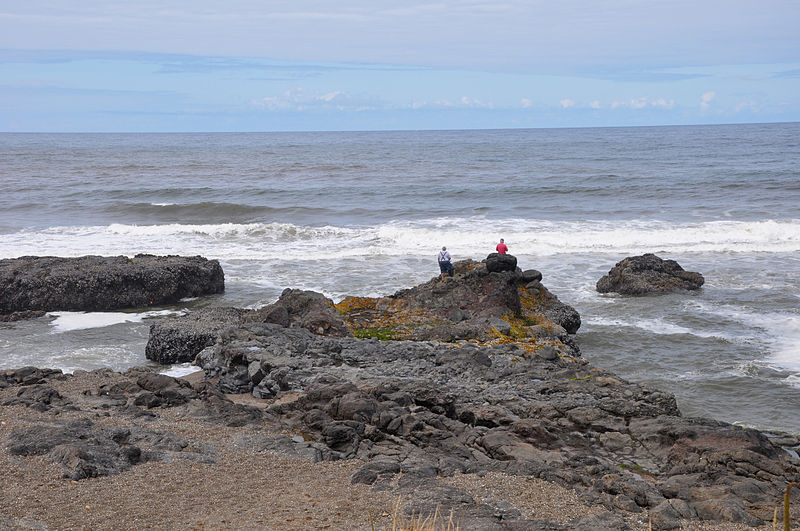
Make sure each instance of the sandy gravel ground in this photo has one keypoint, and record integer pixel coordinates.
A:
(243, 489)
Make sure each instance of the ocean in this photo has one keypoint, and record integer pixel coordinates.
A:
(364, 213)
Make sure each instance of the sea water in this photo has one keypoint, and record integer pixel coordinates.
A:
(364, 213)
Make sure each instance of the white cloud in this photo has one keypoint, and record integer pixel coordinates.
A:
(475, 103)
(464, 102)
(661, 102)
(594, 104)
(644, 102)
(706, 99)
(298, 99)
(526, 103)
(638, 103)
(566, 103)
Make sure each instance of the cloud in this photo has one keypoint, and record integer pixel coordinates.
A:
(706, 99)
(661, 102)
(594, 104)
(464, 102)
(566, 103)
(526, 103)
(643, 102)
(299, 99)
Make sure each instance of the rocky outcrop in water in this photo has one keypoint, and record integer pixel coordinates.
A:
(474, 304)
(97, 283)
(648, 274)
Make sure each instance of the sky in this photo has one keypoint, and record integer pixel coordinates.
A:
(202, 65)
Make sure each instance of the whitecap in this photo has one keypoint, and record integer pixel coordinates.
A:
(69, 321)
(466, 237)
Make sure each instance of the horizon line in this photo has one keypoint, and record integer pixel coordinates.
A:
(638, 126)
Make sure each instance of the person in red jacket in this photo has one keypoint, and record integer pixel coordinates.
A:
(502, 248)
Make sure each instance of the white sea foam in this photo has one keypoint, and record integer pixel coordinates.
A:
(654, 326)
(779, 331)
(94, 357)
(662, 327)
(68, 321)
(181, 369)
(465, 236)
(786, 344)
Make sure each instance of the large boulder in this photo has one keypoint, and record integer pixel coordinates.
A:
(497, 262)
(179, 339)
(647, 274)
(303, 309)
(98, 283)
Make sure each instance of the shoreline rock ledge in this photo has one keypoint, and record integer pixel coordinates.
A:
(648, 274)
(468, 375)
(32, 285)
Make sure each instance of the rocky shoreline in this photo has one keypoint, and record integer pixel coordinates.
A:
(472, 376)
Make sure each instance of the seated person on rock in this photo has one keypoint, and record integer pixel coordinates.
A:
(502, 248)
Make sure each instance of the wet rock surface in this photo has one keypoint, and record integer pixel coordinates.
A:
(33, 284)
(648, 274)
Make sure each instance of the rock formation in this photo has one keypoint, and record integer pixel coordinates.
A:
(648, 274)
(462, 375)
(433, 408)
(474, 304)
(96, 283)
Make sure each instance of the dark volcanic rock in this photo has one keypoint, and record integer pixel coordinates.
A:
(73, 436)
(416, 410)
(474, 304)
(180, 339)
(428, 408)
(19, 316)
(642, 275)
(86, 450)
(469, 306)
(97, 283)
(514, 399)
(496, 262)
(303, 309)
